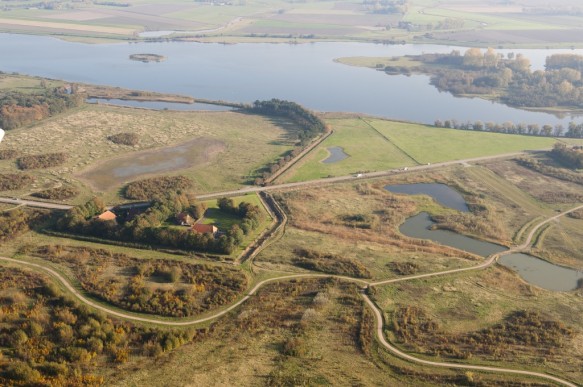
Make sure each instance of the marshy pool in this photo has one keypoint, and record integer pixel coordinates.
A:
(114, 172)
(441, 193)
(336, 154)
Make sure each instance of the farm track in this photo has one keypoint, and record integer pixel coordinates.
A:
(377, 312)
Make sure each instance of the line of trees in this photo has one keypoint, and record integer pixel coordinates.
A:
(20, 109)
(574, 130)
(309, 124)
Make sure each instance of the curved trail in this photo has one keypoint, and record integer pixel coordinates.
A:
(381, 337)
(379, 318)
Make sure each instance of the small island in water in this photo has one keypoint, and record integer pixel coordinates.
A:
(147, 57)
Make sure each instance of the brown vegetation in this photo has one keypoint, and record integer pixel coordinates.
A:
(59, 193)
(125, 138)
(576, 214)
(329, 263)
(148, 189)
(47, 340)
(47, 160)
(14, 181)
(8, 154)
(521, 333)
(168, 288)
(558, 173)
(15, 223)
(404, 268)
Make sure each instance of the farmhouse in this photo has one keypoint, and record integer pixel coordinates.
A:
(205, 229)
(107, 215)
(184, 219)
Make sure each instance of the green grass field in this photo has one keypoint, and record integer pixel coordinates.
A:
(367, 149)
(376, 144)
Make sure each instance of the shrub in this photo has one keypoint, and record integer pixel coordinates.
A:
(47, 160)
(14, 181)
(126, 138)
(60, 193)
(148, 189)
(8, 154)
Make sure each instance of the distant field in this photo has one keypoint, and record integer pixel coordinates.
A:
(376, 144)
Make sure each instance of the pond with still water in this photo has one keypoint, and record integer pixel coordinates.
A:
(532, 269)
(441, 193)
(336, 154)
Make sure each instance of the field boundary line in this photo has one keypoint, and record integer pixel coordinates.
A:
(390, 141)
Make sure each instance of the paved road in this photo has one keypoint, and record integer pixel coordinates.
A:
(275, 187)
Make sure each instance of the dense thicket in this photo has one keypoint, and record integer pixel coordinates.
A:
(569, 157)
(148, 189)
(16, 222)
(19, 109)
(46, 160)
(59, 193)
(559, 173)
(47, 340)
(148, 228)
(14, 181)
(125, 138)
(329, 263)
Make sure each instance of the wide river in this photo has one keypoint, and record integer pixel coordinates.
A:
(305, 73)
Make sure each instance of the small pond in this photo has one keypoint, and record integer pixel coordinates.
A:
(441, 193)
(336, 154)
(542, 273)
(160, 105)
(419, 226)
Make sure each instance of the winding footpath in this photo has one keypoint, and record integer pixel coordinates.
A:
(377, 312)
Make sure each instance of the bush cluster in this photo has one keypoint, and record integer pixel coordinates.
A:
(46, 160)
(148, 189)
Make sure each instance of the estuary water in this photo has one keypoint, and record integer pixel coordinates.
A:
(304, 73)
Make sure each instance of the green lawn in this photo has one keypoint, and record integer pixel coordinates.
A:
(367, 149)
(224, 221)
(376, 145)
(428, 144)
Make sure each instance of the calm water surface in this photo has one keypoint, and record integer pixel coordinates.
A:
(160, 105)
(336, 154)
(305, 73)
(441, 193)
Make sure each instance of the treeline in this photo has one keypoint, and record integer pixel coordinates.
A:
(310, 126)
(49, 340)
(19, 109)
(510, 78)
(511, 128)
(46, 160)
(149, 228)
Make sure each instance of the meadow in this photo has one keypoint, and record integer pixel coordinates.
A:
(244, 144)
(378, 144)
